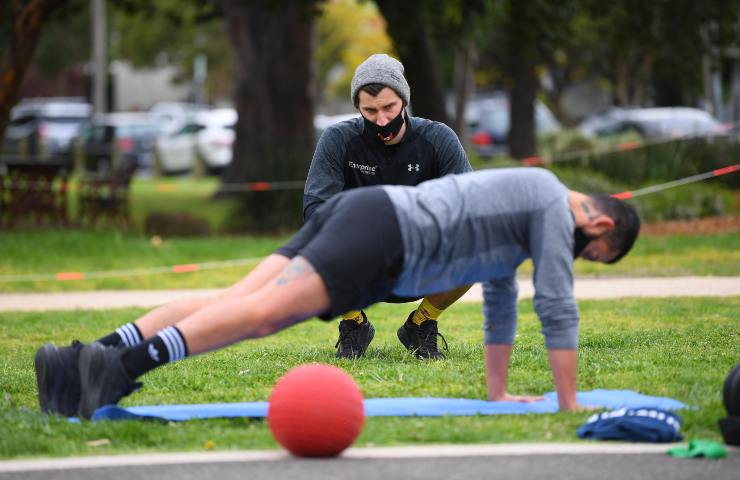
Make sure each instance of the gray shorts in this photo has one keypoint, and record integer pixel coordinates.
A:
(354, 243)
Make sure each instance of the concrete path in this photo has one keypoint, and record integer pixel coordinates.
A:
(585, 288)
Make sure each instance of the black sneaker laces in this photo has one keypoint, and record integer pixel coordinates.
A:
(348, 339)
(430, 341)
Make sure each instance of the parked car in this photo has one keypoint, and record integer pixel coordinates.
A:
(40, 129)
(653, 123)
(203, 143)
(172, 116)
(321, 122)
(123, 139)
(488, 120)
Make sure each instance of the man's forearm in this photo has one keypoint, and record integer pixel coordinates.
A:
(563, 363)
(497, 368)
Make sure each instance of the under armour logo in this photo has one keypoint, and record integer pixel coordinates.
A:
(153, 353)
(414, 167)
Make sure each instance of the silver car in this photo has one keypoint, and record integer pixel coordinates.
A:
(653, 123)
(203, 144)
(41, 129)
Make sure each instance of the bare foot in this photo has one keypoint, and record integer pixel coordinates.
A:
(506, 397)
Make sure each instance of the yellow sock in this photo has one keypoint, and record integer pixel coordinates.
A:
(355, 315)
(426, 311)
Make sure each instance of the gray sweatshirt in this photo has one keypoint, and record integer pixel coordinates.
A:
(479, 227)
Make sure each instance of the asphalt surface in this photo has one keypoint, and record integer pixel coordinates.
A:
(612, 461)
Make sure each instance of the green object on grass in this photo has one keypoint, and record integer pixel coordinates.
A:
(699, 448)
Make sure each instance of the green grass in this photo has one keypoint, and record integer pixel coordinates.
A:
(681, 348)
(676, 255)
(50, 252)
(180, 194)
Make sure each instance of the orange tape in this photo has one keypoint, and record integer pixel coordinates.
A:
(191, 267)
(722, 171)
(69, 276)
(258, 186)
(529, 161)
(623, 195)
(628, 146)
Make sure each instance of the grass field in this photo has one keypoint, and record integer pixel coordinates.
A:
(49, 252)
(681, 348)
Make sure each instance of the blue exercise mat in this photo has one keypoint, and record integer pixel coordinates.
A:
(395, 407)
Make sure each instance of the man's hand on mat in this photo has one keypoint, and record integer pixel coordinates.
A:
(507, 397)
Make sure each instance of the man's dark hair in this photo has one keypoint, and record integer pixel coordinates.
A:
(626, 223)
(372, 89)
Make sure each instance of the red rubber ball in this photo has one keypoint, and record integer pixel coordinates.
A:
(316, 410)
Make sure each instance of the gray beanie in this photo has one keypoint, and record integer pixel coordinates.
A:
(382, 69)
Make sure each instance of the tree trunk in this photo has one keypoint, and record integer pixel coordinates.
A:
(522, 141)
(463, 87)
(275, 137)
(522, 63)
(24, 36)
(413, 42)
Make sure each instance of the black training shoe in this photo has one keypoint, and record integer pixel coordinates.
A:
(354, 338)
(58, 378)
(421, 340)
(103, 379)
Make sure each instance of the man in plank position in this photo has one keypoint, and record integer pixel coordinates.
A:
(395, 241)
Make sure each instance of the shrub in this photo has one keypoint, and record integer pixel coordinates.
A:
(667, 161)
(176, 224)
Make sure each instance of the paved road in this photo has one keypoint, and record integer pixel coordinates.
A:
(585, 461)
(586, 288)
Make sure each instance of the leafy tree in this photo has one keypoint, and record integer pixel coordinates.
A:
(649, 52)
(65, 41)
(410, 26)
(22, 30)
(174, 32)
(428, 37)
(520, 32)
(348, 32)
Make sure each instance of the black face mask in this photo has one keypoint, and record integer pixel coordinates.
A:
(581, 241)
(387, 132)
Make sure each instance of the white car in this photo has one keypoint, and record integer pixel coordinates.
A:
(322, 122)
(172, 116)
(203, 144)
(653, 123)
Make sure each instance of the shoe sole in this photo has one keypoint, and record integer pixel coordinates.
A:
(90, 359)
(49, 381)
(42, 378)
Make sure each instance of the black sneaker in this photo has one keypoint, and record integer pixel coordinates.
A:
(103, 379)
(58, 378)
(354, 338)
(421, 340)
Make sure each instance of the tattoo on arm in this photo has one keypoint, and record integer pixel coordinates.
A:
(297, 268)
(587, 211)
